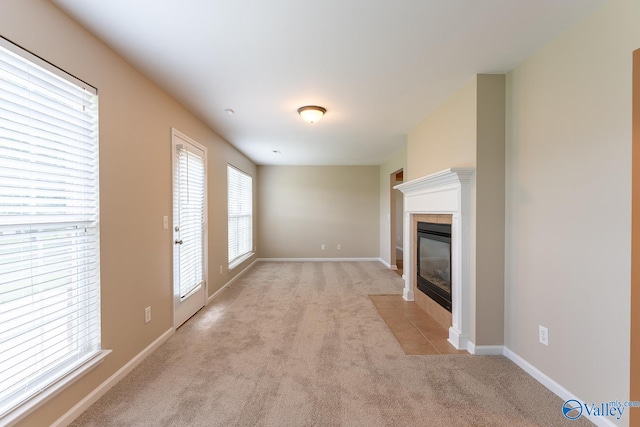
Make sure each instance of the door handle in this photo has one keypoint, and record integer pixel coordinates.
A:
(178, 242)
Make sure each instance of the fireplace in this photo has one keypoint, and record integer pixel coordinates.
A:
(447, 192)
(434, 262)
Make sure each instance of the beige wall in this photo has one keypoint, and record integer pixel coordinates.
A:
(445, 138)
(135, 184)
(490, 182)
(568, 174)
(303, 207)
(394, 163)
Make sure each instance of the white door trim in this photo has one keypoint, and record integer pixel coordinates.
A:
(199, 298)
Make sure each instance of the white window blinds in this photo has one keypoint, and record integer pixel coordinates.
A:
(240, 194)
(49, 229)
(189, 208)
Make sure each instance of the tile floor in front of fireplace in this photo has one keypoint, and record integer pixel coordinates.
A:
(416, 331)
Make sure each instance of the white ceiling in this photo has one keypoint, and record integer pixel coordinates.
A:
(378, 66)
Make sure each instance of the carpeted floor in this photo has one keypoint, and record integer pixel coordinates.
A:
(301, 344)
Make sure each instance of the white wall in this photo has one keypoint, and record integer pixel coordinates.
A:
(568, 204)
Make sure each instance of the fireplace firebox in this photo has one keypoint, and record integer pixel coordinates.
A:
(434, 262)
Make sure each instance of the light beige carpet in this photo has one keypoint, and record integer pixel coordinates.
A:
(301, 344)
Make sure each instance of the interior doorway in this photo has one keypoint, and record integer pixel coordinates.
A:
(396, 217)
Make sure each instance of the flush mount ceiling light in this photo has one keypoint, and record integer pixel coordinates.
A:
(311, 113)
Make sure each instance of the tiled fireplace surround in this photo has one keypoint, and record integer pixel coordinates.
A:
(442, 197)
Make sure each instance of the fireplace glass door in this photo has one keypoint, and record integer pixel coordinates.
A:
(434, 262)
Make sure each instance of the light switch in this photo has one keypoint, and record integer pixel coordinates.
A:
(165, 222)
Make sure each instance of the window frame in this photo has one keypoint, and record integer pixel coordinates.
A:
(53, 381)
(241, 256)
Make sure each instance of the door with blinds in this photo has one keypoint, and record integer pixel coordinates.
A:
(189, 227)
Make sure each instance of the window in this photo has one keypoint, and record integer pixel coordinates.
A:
(49, 230)
(240, 192)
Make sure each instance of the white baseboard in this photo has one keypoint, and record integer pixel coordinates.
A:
(230, 282)
(458, 339)
(553, 386)
(217, 293)
(317, 259)
(385, 263)
(99, 391)
(485, 350)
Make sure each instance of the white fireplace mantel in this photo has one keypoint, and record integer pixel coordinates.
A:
(444, 192)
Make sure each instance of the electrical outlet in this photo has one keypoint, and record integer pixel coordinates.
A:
(322, 247)
(147, 314)
(339, 246)
(543, 335)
